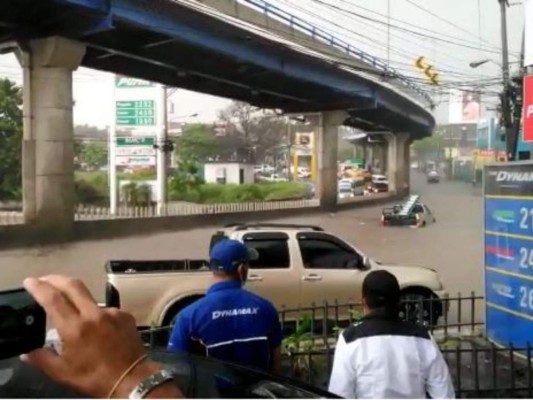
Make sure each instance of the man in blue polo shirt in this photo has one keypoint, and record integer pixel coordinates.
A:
(230, 323)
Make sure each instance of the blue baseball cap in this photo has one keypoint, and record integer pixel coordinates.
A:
(227, 255)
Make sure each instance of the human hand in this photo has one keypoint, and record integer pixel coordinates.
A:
(98, 345)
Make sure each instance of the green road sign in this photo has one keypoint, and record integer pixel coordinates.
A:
(136, 121)
(135, 104)
(135, 141)
(125, 82)
(135, 113)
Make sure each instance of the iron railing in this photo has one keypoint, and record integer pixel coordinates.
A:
(320, 324)
(316, 33)
(479, 368)
(90, 213)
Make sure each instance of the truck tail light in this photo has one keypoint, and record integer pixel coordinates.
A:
(112, 296)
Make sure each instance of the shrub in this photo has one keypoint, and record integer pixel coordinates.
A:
(286, 191)
(89, 193)
(136, 195)
(217, 193)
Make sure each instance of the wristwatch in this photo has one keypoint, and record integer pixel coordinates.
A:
(142, 389)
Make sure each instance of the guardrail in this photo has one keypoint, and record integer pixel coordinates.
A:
(478, 367)
(478, 370)
(318, 34)
(319, 325)
(90, 213)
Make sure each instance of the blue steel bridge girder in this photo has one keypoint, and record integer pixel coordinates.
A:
(149, 19)
(151, 30)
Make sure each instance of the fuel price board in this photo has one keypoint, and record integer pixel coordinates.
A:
(508, 233)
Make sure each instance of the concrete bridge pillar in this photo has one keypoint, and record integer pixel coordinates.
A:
(327, 147)
(48, 140)
(397, 162)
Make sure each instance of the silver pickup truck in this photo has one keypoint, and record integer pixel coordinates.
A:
(297, 266)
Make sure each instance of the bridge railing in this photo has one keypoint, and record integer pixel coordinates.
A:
(91, 213)
(319, 34)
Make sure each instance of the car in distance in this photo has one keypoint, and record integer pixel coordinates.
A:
(433, 177)
(345, 189)
(298, 265)
(378, 184)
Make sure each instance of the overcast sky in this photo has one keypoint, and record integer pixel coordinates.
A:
(458, 32)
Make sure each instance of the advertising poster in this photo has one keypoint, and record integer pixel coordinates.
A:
(508, 240)
(527, 114)
(471, 106)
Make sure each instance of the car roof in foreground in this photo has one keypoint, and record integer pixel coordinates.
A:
(268, 226)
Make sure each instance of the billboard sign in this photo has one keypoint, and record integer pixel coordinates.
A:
(127, 82)
(304, 145)
(135, 113)
(527, 130)
(135, 161)
(464, 106)
(508, 220)
(135, 151)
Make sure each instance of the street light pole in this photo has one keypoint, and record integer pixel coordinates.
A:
(506, 109)
(162, 156)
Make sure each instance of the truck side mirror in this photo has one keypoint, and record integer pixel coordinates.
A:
(367, 264)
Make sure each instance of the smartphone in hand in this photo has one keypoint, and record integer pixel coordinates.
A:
(22, 323)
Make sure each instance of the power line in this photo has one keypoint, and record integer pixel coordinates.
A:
(447, 22)
(405, 29)
(413, 25)
(373, 41)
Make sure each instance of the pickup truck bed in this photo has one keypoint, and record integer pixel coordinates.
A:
(155, 266)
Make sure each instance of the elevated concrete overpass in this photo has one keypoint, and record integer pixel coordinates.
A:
(187, 44)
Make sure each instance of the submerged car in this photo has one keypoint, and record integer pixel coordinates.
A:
(410, 213)
(197, 377)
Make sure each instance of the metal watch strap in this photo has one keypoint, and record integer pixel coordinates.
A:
(142, 389)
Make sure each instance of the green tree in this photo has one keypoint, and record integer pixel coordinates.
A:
(250, 134)
(430, 147)
(10, 140)
(197, 143)
(91, 155)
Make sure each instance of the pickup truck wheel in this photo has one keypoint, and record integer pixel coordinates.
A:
(161, 337)
(173, 311)
(420, 305)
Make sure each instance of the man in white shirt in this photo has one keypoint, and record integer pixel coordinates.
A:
(384, 357)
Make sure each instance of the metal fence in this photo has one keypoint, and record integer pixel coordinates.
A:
(89, 213)
(479, 368)
(11, 218)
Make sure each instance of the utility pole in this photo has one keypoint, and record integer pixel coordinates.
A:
(162, 140)
(388, 31)
(506, 107)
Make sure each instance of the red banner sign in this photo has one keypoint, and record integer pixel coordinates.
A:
(527, 115)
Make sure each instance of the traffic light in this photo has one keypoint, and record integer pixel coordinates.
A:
(420, 63)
